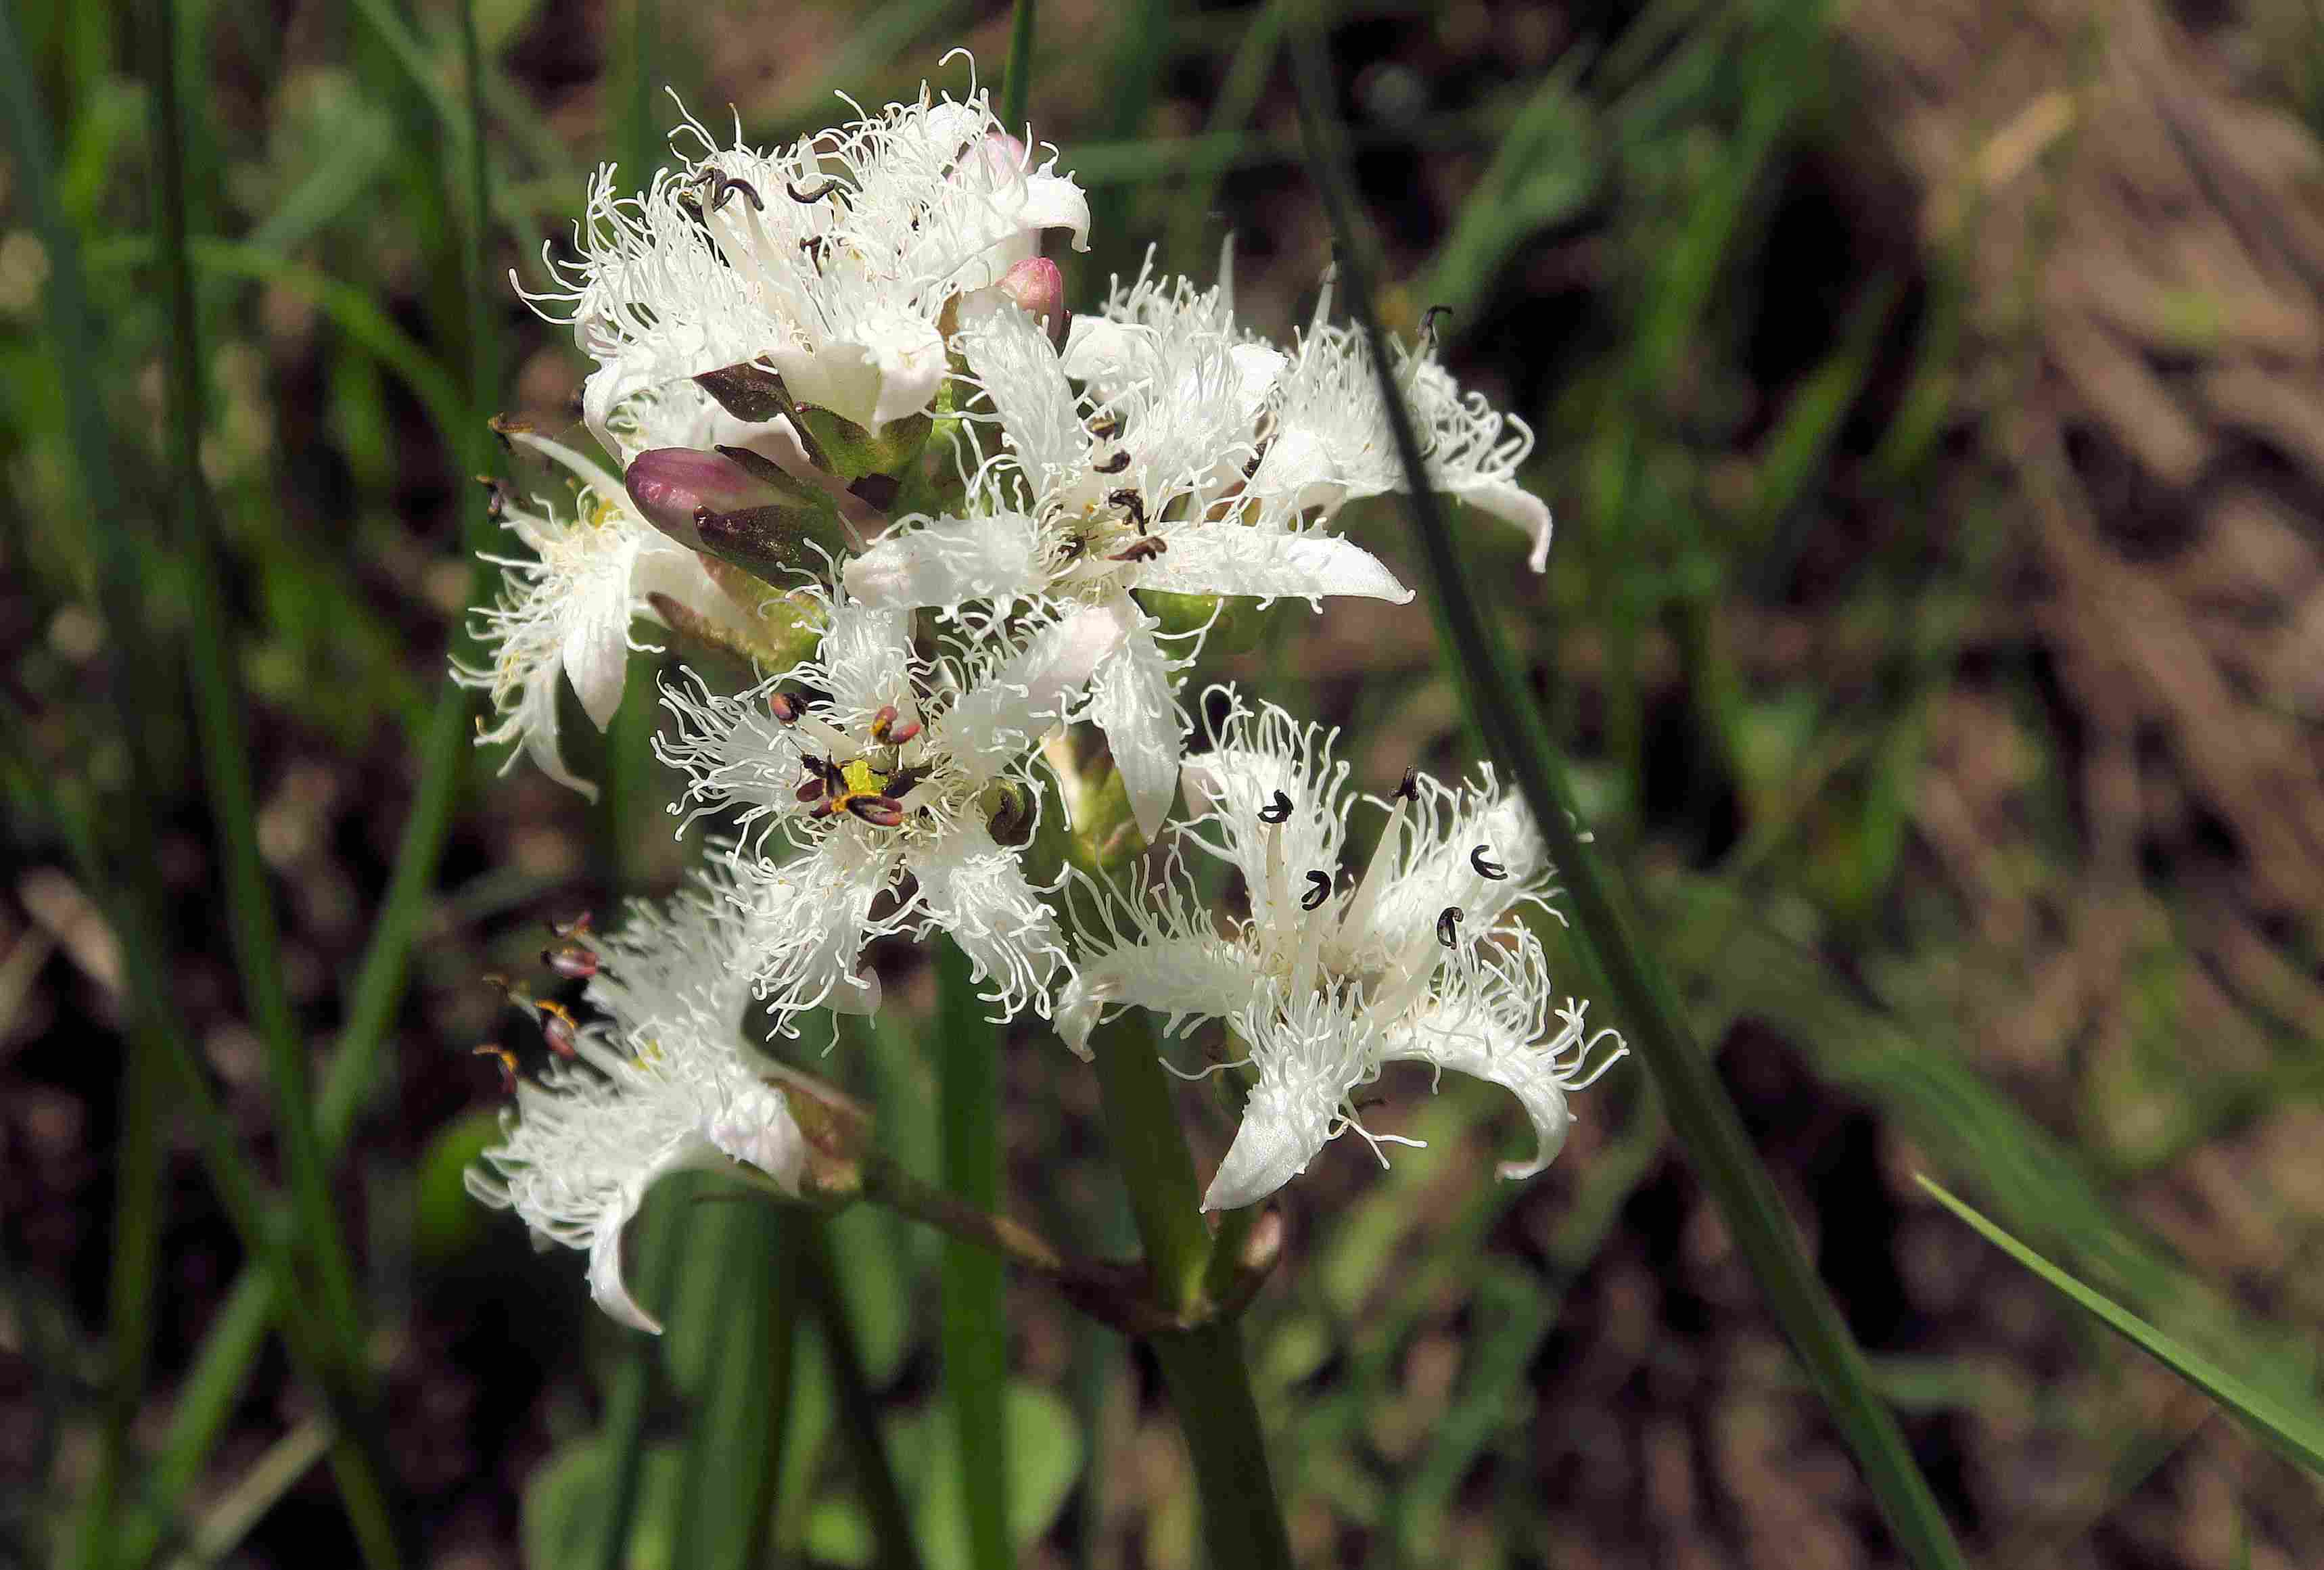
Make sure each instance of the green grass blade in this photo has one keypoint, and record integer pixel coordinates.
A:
(1017, 86)
(1722, 946)
(892, 1546)
(345, 306)
(1209, 156)
(218, 709)
(975, 1325)
(378, 986)
(653, 1236)
(131, 881)
(742, 1265)
(2296, 1431)
(377, 992)
(129, 1329)
(1503, 709)
(205, 1401)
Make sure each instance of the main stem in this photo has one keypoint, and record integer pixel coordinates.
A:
(1202, 1364)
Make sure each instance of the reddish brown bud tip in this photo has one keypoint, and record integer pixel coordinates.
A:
(558, 1028)
(570, 960)
(675, 487)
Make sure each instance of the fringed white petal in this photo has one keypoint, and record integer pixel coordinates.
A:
(813, 921)
(1023, 379)
(1475, 850)
(1234, 559)
(1131, 701)
(1506, 500)
(1275, 808)
(1311, 1053)
(998, 720)
(977, 893)
(1182, 977)
(658, 1085)
(949, 561)
(1461, 1033)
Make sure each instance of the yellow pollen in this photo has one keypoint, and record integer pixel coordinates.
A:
(863, 779)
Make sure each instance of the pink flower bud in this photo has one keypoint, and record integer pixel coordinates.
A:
(1037, 288)
(672, 485)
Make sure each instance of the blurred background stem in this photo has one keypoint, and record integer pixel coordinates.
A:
(1504, 712)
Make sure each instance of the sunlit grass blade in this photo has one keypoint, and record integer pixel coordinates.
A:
(858, 1407)
(738, 1317)
(975, 1324)
(2295, 1430)
(274, 1473)
(126, 872)
(138, 1161)
(1503, 710)
(1017, 84)
(654, 1237)
(205, 1403)
(1722, 947)
(218, 710)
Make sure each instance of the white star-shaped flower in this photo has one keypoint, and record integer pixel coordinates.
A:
(1328, 440)
(659, 1084)
(1132, 485)
(829, 262)
(902, 765)
(569, 608)
(1327, 981)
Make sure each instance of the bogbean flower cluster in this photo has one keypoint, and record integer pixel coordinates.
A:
(957, 535)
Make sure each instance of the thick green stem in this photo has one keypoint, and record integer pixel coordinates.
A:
(1242, 1523)
(975, 1329)
(1151, 1150)
(1203, 1365)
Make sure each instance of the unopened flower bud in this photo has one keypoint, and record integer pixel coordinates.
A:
(1037, 287)
(1034, 286)
(673, 486)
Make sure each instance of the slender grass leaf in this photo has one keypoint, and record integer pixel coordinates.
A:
(1706, 1121)
(2294, 1429)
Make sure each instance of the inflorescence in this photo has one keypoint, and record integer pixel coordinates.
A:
(970, 544)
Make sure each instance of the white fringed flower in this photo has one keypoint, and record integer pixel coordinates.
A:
(1131, 485)
(569, 608)
(658, 1085)
(1329, 440)
(830, 261)
(1327, 981)
(905, 766)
